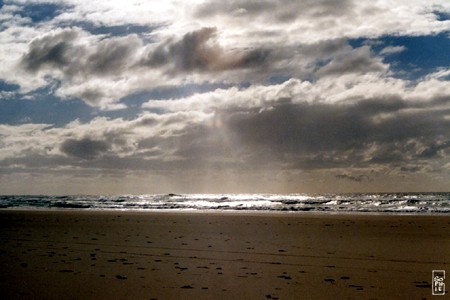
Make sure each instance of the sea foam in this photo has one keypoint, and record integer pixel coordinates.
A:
(419, 203)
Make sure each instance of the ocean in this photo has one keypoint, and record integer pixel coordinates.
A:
(408, 203)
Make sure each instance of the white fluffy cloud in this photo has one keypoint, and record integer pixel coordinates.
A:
(100, 136)
(289, 22)
(198, 42)
(347, 88)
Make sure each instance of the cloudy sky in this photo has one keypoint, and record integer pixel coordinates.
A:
(224, 96)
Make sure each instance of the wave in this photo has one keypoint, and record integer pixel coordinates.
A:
(418, 203)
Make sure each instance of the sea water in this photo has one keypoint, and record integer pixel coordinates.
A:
(417, 203)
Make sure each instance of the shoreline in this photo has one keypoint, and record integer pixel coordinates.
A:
(213, 255)
(227, 212)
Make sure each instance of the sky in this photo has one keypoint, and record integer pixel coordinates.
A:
(211, 96)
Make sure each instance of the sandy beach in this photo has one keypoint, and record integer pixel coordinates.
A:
(146, 255)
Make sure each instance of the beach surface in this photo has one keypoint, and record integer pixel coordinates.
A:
(202, 255)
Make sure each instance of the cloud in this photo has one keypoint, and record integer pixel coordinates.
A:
(315, 21)
(392, 50)
(66, 52)
(148, 136)
(199, 51)
(355, 178)
(52, 51)
(308, 128)
(321, 126)
(358, 60)
(278, 11)
(112, 13)
(85, 66)
(306, 87)
(113, 55)
(438, 149)
(84, 148)
(101, 71)
(275, 131)
(197, 45)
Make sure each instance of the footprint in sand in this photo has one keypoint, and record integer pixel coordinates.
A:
(187, 287)
(66, 271)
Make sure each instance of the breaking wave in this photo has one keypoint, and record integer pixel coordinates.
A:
(418, 203)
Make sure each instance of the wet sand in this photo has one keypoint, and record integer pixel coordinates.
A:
(131, 255)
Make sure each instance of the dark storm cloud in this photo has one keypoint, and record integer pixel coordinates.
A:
(63, 52)
(314, 136)
(197, 51)
(85, 148)
(188, 54)
(255, 58)
(294, 127)
(52, 51)
(112, 55)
